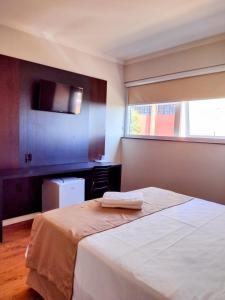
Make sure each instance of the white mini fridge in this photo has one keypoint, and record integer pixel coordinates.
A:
(61, 192)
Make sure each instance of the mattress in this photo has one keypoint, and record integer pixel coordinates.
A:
(177, 253)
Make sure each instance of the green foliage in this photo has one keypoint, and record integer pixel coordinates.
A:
(135, 127)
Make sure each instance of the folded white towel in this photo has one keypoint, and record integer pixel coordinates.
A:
(126, 196)
(136, 206)
(131, 200)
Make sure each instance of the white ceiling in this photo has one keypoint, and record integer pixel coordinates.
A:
(120, 29)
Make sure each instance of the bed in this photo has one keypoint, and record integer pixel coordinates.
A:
(174, 253)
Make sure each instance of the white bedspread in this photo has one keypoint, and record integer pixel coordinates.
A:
(178, 253)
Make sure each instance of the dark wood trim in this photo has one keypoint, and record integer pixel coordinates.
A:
(50, 170)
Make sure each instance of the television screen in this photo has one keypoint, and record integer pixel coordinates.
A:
(58, 97)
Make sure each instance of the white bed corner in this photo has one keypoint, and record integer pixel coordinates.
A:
(177, 253)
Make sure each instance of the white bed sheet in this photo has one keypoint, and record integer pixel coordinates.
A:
(178, 253)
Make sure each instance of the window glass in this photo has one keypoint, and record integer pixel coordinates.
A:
(165, 119)
(202, 118)
(139, 117)
(207, 118)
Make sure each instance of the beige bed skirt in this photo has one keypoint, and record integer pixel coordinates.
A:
(43, 286)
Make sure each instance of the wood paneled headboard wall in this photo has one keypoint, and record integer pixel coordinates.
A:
(52, 138)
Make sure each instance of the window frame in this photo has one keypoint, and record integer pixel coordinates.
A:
(177, 139)
(189, 139)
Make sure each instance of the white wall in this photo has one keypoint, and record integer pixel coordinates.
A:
(189, 168)
(40, 50)
(194, 169)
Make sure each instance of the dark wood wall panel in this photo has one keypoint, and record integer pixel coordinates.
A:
(53, 138)
(9, 112)
(97, 118)
(21, 197)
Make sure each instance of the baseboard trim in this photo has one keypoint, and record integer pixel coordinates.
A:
(19, 219)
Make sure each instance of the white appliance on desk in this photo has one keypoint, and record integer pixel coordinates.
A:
(61, 192)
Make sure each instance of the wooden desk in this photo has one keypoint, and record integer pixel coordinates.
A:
(54, 171)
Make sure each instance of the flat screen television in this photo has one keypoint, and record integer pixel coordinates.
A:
(58, 97)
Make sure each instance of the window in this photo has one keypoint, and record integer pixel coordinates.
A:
(207, 118)
(184, 119)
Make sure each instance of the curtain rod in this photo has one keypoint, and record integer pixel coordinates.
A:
(177, 75)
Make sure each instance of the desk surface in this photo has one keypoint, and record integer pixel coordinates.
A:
(45, 171)
(50, 170)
